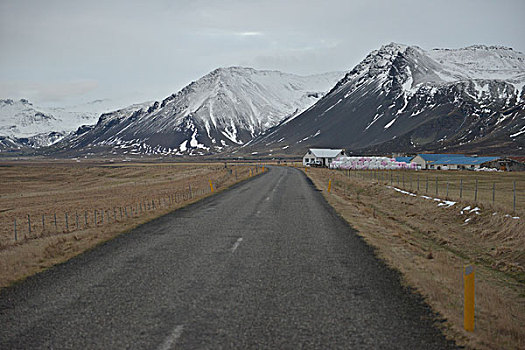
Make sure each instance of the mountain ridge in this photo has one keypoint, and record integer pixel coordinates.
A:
(400, 99)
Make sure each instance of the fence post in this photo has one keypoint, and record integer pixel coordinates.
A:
(469, 298)
(460, 188)
(493, 192)
(476, 192)
(85, 218)
(95, 217)
(514, 200)
(447, 188)
(418, 182)
(16, 236)
(67, 224)
(437, 186)
(76, 218)
(191, 193)
(43, 223)
(29, 223)
(55, 218)
(426, 188)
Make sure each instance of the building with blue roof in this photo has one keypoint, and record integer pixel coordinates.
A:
(451, 161)
(404, 159)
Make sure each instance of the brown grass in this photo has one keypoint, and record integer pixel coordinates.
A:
(44, 189)
(430, 245)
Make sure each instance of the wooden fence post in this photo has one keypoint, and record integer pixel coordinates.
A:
(437, 186)
(55, 217)
(476, 192)
(67, 224)
(460, 188)
(426, 188)
(95, 216)
(16, 236)
(514, 200)
(43, 223)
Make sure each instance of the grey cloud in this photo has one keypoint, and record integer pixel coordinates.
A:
(150, 49)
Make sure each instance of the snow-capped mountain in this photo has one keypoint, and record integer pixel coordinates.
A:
(226, 108)
(404, 99)
(23, 124)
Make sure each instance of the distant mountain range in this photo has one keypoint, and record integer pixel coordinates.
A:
(398, 99)
(25, 125)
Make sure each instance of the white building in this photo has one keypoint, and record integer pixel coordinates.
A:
(321, 156)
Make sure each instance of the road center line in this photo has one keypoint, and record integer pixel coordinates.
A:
(236, 244)
(169, 343)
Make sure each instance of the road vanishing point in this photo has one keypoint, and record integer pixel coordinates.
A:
(266, 264)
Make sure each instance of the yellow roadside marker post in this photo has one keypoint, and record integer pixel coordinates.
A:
(329, 185)
(211, 186)
(469, 305)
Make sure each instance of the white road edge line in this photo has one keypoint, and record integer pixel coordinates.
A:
(236, 244)
(172, 338)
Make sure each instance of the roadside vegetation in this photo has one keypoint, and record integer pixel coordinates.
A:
(63, 209)
(430, 241)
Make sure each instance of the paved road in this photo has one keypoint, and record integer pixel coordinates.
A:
(265, 265)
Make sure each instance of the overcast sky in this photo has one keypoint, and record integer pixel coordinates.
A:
(63, 52)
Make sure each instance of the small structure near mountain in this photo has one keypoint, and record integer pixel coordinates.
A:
(508, 164)
(321, 156)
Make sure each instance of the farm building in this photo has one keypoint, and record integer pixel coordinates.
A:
(454, 163)
(424, 161)
(508, 164)
(407, 160)
(321, 156)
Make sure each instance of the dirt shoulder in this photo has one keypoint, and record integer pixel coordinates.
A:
(430, 241)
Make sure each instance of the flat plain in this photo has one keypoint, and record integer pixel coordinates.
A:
(50, 212)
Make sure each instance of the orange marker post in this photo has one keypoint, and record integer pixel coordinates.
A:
(329, 185)
(211, 187)
(469, 304)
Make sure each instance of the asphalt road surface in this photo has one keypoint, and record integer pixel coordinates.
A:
(266, 265)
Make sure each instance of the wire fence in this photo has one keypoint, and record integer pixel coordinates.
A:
(41, 223)
(497, 189)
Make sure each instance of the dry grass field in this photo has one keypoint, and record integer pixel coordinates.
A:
(495, 189)
(92, 202)
(431, 243)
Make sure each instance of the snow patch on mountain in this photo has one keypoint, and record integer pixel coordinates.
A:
(226, 108)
